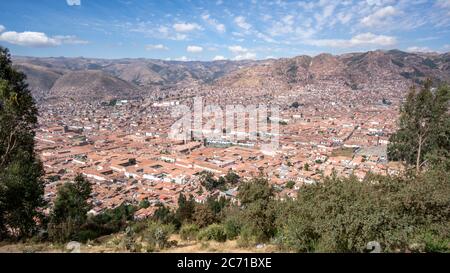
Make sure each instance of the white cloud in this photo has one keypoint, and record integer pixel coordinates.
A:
(236, 49)
(182, 59)
(213, 22)
(2, 28)
(73, 2)
(186, 27)
(37, 39)
(194, 49)
(419, 49)
(219, 58)
(242, 23)
(241, 53)
(245, 56)
(156, 47)
(69, 39)
(377, 18)
(363, 39)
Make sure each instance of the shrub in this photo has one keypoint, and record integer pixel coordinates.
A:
(158, 234)
(232, 227)
(189, 232)
(248, 237)
(214, 232)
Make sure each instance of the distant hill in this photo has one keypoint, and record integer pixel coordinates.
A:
(100, 78)
(148, 74)
(355, 69)
(93, 85)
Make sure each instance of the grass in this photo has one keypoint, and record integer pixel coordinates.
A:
(109, 244)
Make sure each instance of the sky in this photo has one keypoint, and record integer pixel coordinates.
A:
(207, 30)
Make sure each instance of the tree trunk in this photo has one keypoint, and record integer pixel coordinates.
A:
(419, 151)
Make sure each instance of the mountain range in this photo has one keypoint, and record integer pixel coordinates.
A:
(84, 78)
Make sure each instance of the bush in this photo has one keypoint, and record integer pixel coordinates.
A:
(157, 234)
(232, 227)
(344, 214)
(214, 232)
(248, 237)
(189, 232)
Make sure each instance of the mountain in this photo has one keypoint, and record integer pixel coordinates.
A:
(356, 70)
(101, 78)
(148, 74)
(93, 85)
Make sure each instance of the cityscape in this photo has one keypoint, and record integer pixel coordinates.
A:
(236, 127)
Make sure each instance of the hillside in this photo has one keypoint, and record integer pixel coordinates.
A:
(357, 70)
(148, 74)
(101, 78)
(89, 84)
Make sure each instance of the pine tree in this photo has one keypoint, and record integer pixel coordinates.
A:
(21, 187)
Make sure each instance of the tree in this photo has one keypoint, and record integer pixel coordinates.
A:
(258, 214)
(295, 104)
(290, 184)
(185, 210)
(344, 214)
(165, 216)
(72, 201)
(424, 127)
(232, 177)
(210, 183)
(306, 167)
(203, 216)
(21, 187)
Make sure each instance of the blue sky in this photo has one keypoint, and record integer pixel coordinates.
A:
(220, 29)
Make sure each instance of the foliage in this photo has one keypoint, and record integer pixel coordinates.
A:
(232, 177)
(189, 232)
(166, 216)
(210, 183)
(72, 201)
(157, 234)
(144, 204)
(258, 214)
(343, 214)
(21, 187)
(424, 127)
(108, 222)
(70, 209)
(295, 104)
(203, 215)
(185, 208)
(290, 184)
(214, 232)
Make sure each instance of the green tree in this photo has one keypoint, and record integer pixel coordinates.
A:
(258, 214)
(306, 167)
(424, 127)
(210, 183)
(290, 184)
(344, 214)
(72, 201)
(232, 177)
(21, 187)
(185, 210)
(165, 216)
